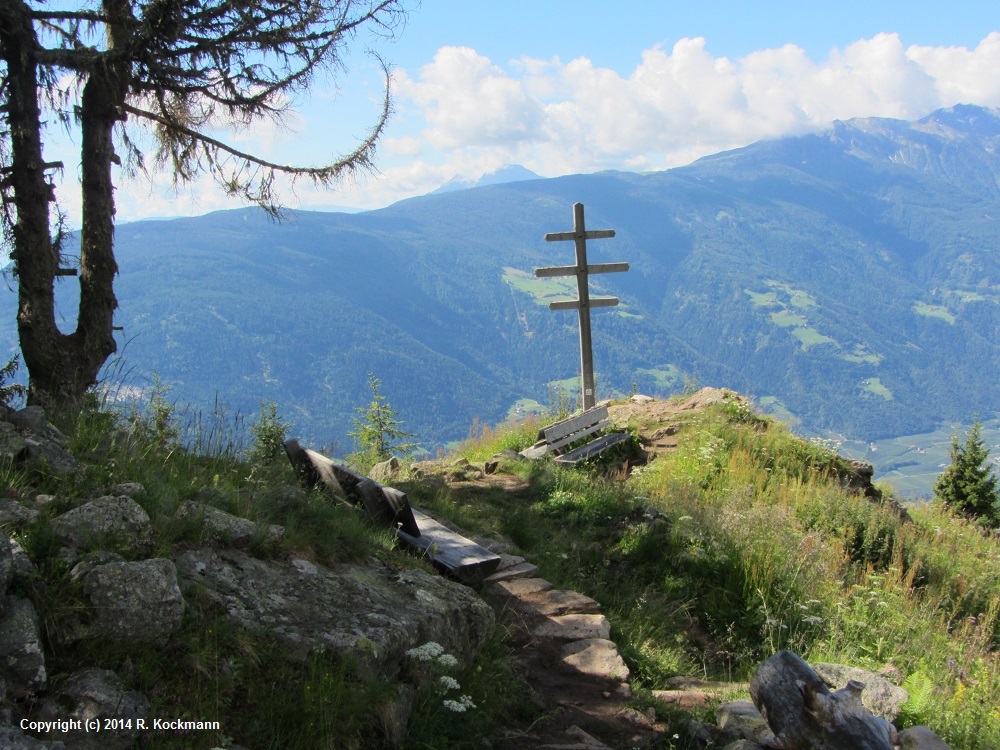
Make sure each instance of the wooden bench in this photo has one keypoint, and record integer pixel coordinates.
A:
(451, 553)
(554, 438)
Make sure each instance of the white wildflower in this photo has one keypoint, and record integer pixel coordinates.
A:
(447, 661)
(428, 652)
(448, 683)
(463, 703)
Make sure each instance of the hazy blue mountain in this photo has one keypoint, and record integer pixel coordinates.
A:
(850, 277)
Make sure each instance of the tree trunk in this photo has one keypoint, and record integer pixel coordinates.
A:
(61, 367)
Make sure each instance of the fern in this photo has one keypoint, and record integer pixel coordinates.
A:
(921, 690)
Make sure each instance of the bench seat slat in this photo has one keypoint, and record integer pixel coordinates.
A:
(573, 437)
(592, 448)
(451, 552)
(560, 429)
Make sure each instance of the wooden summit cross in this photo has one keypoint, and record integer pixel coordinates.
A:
(583, 303)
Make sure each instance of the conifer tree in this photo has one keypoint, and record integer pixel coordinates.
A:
(379, 435)
(969, 485)
(118, 72)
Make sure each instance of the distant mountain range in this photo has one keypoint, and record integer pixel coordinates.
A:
(509, 173)
(848, 279)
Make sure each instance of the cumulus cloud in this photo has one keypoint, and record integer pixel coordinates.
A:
(465, 114)
(678, 103)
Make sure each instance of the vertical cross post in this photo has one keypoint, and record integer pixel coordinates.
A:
(583, 303)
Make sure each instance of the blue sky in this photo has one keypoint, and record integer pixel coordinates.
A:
(567, 87)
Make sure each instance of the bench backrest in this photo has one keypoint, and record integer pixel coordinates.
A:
(570, 430)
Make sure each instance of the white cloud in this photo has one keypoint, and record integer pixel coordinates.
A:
(466, 99)
(677, 104)
(961, 74)
(464, 114)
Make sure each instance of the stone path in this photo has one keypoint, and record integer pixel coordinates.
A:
(564, 652)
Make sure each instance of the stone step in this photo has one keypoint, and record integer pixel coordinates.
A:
(683, 699)
(708, 686)
(572, 627)
(521, 586)
(580, 740)
(508, 561)
(559, 602)
(521, 570)
(597, 657)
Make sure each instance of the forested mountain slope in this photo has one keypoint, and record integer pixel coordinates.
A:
(853, 275)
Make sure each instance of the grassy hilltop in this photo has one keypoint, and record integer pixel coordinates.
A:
(757, 548)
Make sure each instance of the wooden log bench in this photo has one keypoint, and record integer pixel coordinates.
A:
(449, 552)
(556, 437)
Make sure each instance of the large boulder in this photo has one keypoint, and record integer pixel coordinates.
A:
(94, 694)
(13, 515)
(740, 720)
(921, 738)
(120, 518)
(384, 471)
(227, 527)
(880, 696)
(132, 602)
(369, 613)
(11, 442)
(22, 662)
(44, 447)
(31, 419)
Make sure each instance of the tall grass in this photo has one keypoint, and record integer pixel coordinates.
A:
(212, 669)
(762, 549)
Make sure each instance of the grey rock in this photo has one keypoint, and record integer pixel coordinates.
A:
(559, 602)
(521, 586)
(6, 563)
(12, 738)
(385, 470)
(44, 454)
(131, 489)
(22, 662)
(132, 602)
(119, 517)
(581, 741)
(227, 527)
(502, 461)
(11, 442)
(13, 515)
(94, 694)
(740, 720)
(573, 627)
(921, 738)
(639, 398)
(597, 657)
(371, 612)
(743, 745)
(31, 419)
(521, 570)
(25, 571)
(880, 696)
(93, 560)
(44, 501)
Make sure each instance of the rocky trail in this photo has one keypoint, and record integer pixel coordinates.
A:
(562, 641)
